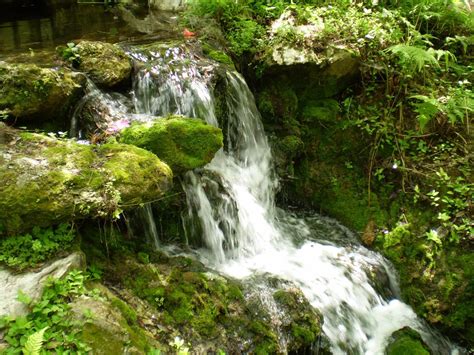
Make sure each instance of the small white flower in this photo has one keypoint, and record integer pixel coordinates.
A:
(395, 166)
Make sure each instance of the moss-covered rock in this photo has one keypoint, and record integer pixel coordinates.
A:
(106, 64)
(178, 296)
(47, 181)
(437, 282)
(36, 95)
(304, 323)
(183, 143)
(112, 319)
(406, 341)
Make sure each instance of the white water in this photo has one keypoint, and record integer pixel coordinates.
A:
(244, 234)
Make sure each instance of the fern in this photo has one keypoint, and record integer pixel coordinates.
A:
(427, 109)
(34, 343)
(412, 58)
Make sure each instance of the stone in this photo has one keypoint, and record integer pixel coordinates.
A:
(32, 283)
(407, 341)
(167, 5)
(47, 181)
(34, 94)
(106, 64)
(183, 143)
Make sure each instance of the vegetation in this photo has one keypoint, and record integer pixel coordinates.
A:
(49, 324)
(402, 132)
(369, 107)
(28, 250)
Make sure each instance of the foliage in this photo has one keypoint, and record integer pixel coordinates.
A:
(34, 343)
(70, 53)
(50, 317)
(28, 250)
(412, 109)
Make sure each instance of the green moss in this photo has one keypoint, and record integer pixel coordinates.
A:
(291, 146)
(277, 102)
(406, 341)
(127, 312)
(303, 334)
(437, 284)
(37, 94)
(46, 181)
(106, 64)
(218, 56)
(306, 322)
(183, 143)
(266, 339)
(94, 336)
(320, 110)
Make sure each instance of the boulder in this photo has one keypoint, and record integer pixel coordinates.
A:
(167, 5)
(209, 311)
(114, 320)
(47, 181)
(35, 94)
(183, 143)
(31, 283)
(106, 64)
(407, 341)
(314, 70)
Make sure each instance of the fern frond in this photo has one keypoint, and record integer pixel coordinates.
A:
(414, 58)
(34, 343)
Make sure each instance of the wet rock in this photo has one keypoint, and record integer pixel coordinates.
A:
(303, 322)
(111, 319)
(32, 283)
(106, 64)
(167, 5)
(47, 181)
(369, 235)
(183, 143)
(99, 115)
(407, 341)
(36, 95)
(208, 311)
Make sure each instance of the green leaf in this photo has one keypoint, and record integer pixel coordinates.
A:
(34, 343)
(23, 298)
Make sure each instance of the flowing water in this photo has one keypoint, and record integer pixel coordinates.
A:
(231, 206)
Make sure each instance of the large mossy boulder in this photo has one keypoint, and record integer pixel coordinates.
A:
(111, 319)
(183, 143)
(178, 296)
(106, 64)
(406, 341)
(36, 95)
(47, 181)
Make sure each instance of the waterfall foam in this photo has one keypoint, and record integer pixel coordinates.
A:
(244, 234)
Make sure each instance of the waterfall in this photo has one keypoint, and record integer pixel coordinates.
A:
(244, 234)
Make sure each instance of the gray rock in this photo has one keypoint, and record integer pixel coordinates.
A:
(167, 5)
(32, 283)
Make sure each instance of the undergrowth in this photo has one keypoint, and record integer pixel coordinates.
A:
(51, 315)
(29, 250)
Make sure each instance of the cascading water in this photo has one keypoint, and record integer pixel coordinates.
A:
(244, 234)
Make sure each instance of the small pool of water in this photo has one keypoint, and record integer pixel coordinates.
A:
(30, 31)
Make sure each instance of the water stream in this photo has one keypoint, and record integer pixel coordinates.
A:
(231, 202)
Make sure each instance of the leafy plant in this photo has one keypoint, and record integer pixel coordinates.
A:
(414, 59)
(28, 250)
(49, 319)
(34, 343)
(71, 54)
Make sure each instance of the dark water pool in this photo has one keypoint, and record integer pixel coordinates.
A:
(31, 28)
